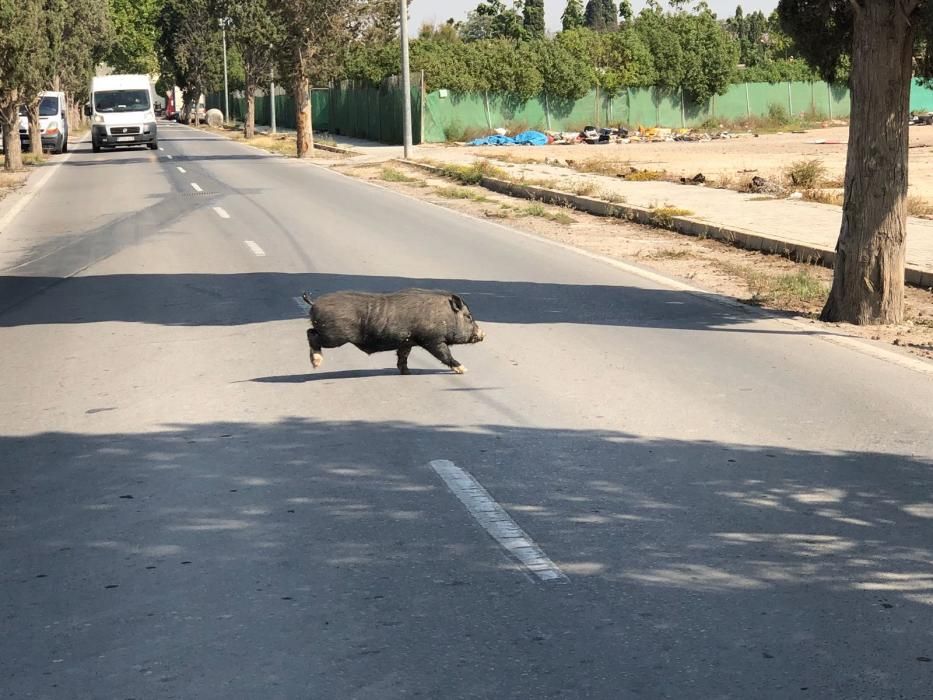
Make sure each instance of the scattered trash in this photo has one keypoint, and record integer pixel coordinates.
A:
(698, 179)
(758, 184)
(795, 195)
(531, 138)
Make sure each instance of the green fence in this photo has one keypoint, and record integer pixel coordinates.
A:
(450, 115)
(351, 109)
(375, 112)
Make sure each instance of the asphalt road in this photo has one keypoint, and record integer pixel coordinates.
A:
(737, 508)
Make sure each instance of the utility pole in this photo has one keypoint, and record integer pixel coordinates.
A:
(406, 82)
(223, 28)
(272, 91)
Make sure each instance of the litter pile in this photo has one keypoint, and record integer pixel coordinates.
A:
(599, 136)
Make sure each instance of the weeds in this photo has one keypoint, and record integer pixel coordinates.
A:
(392, 175)
(918, 206)
(789, 289)
(669, 254)
(473, 174)
(583, 188)
(9, 181)
(664, 216)
(646, 175)
(612, 197)
(460, 193)
(806, 174)
(823, 196)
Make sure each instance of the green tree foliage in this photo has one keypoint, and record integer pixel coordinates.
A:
(20, 40)
(625, 11)
(601, 15)
(492, 19)
(573, 15)
(134, 31)
(534, 18)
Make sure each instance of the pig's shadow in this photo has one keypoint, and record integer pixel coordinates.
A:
(345, 374)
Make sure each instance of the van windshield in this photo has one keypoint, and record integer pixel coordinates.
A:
(121, 101)
(48, 107)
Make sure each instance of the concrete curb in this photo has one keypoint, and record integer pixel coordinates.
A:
(741, 238)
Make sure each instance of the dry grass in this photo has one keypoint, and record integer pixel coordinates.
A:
(584, 188)
(918, 206)
(786, 290)
(539, 210)
(460, 193)
(30, 158)
(823, 196)
(600, 166)
(10, 181)
(473, 174)
(611, 197)
(664, 216)
(546, 183)
(390, 174)
(646, 175)
(806, 174)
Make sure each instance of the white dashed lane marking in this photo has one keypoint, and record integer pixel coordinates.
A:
(257, 251)
(497, 522)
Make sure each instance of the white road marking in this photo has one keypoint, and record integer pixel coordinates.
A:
(497, 522)
(161, 149)
(169, 157)
(300, 303)
(221, 212)
(196, 187)
(257, 251)
(180, 169)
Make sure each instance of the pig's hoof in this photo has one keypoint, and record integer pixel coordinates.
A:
(316, 359)
(459, 369)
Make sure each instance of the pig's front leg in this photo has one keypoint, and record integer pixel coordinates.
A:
(442, 353)
(403, 353)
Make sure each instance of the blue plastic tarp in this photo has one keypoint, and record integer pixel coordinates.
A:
(494, 140)
(531, 138)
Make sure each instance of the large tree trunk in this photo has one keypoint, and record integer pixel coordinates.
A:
(249, 124)
(868, 277)
(35, 132)
(9, 122)
(305, 136)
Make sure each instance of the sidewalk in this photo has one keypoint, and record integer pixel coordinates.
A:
(805, 229)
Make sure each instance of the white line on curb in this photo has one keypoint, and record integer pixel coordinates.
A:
(180, 169)
(196, 187)
(257, 251)
(497, 522)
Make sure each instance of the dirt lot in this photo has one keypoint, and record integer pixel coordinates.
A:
(739, 158)
(762, 280)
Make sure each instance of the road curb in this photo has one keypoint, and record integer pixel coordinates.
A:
(687, 225)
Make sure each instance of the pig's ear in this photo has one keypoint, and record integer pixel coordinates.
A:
(456, 303)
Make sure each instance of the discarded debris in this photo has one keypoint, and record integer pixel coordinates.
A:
(697, 179)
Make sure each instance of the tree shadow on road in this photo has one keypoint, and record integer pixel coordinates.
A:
(703, 565)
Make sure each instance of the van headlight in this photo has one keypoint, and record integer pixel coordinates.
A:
(147, 128)
(51, 128)
(98, 118)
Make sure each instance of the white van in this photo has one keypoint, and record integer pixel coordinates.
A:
(121, 112)
(53, 122)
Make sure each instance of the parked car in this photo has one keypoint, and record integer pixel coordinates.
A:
(186, 114)
(53, 123)
(121, 112)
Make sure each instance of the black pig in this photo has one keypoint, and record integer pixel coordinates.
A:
(399, 321)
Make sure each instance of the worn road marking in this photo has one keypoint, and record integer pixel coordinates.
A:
(196, 187)
(180, 169)
(497, 522)
(257, 251)
(221, 212)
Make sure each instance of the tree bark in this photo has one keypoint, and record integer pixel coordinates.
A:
(249, 124)
(305, 137)
(9, 122)
(35, 132)
(868, 274)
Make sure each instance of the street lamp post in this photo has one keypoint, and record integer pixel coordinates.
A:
(223, 29)
(406, 82)
(272, 91)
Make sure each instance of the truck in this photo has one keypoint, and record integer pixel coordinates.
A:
(173, 102)
(122, 113)
(53, 122)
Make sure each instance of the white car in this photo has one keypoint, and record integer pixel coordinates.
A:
(53, 123)
(122, 113)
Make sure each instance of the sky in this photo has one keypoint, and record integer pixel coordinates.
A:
(440, 10)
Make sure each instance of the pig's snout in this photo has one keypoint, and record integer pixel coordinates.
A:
(478, 335)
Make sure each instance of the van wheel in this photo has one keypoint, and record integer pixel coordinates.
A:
(95, 146)
(65, 145)
(153, 145)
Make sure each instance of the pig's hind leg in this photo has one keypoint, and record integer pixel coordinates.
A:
(314, 343)
(442, 352)
(403, 353)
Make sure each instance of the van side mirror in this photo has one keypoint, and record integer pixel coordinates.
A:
(87, 110)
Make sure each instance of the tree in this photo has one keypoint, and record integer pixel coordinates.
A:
(880, 36)
(534, 18)
(85, 37)
(573, 15)
(316, 33)
(43, 60)
(493, 20)
(135, 28)
(625, 12)
(255, 30)
(19, 42)
(601, 15)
